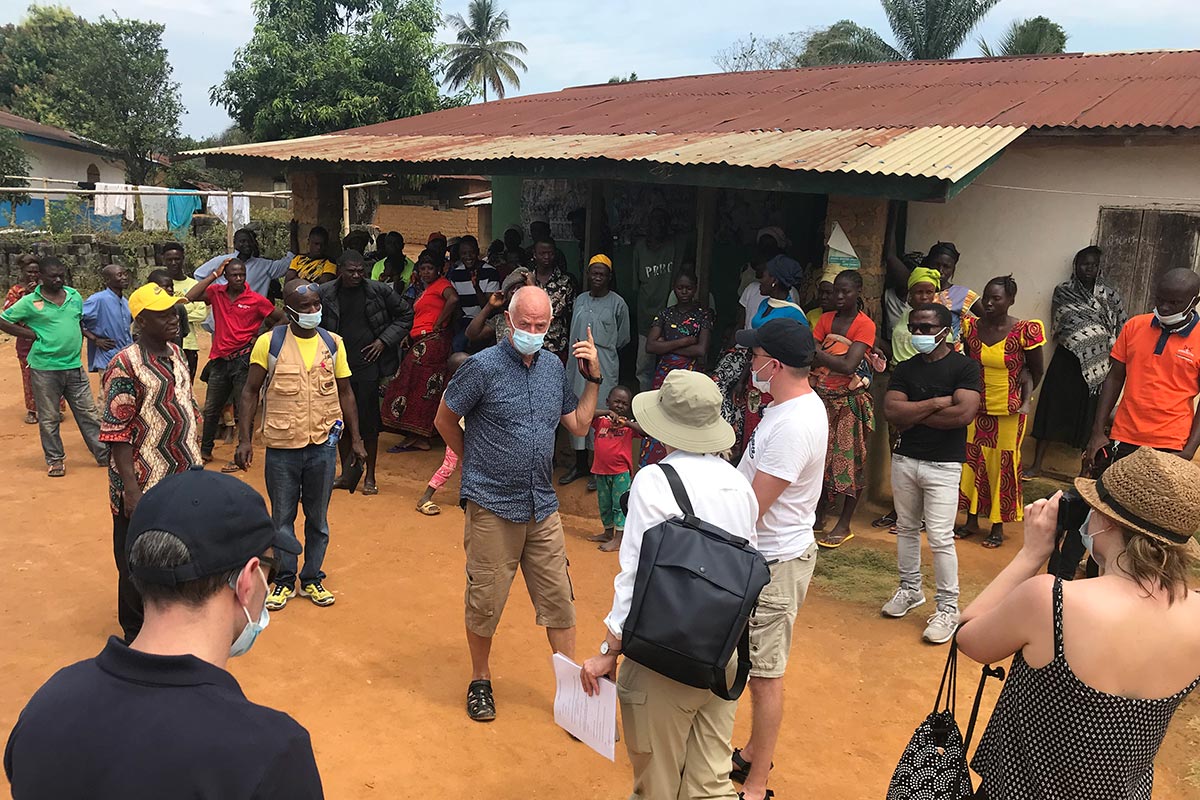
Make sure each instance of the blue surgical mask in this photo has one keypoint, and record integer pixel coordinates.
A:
(306, 321)
(925, 342)
(249, 634)
(527, 343)
(1083, 532)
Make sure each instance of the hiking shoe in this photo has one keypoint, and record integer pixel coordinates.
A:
(903, 601)
(278, 597)
(942, 626)
(318, 593)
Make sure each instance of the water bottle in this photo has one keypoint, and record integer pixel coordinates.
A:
(335, 433)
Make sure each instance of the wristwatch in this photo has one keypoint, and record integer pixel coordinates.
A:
(606, 650)
(590, 379)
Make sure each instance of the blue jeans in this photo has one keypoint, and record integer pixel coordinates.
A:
(294, 477)
(49, 388)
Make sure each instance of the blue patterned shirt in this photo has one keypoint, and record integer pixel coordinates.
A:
(512, 412)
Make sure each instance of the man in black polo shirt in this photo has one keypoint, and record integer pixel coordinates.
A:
(931, 399)
(161, 717)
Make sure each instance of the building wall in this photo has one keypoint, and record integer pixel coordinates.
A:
(46, 161)
(1035, 235)
(417, 222)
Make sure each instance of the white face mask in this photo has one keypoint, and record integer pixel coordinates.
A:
(1172, 320)
(306, 321)
(763, 385)
(245, 640)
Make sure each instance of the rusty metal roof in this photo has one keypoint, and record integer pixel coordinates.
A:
(37, 130)
(943, 153)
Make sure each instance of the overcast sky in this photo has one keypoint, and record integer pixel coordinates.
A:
(572, 43)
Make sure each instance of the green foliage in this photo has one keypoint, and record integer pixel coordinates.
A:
(12, 162)
(618, 79)
(482, 57)
(109, 81)
(314, 66)
(1027, 37)
(755, 53)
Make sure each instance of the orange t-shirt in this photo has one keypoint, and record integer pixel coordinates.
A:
(862, 329)
(1162, 379)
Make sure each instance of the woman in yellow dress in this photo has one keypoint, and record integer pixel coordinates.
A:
(1009, 351)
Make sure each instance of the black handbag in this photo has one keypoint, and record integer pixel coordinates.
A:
(934, 765)
(695, 590)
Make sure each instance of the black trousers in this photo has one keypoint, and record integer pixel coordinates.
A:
(129, 600)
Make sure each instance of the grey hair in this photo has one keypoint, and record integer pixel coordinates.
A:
(163, 550)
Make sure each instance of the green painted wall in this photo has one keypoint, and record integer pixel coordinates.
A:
(506, 204)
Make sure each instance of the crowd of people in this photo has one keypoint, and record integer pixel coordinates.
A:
(768, 436)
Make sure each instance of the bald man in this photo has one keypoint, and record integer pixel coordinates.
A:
(107, 323)
(513, 397)
(1156, 361)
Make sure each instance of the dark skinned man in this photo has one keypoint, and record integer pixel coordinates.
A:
(197, 312)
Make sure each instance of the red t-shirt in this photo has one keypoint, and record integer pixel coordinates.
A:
(614, 448)
(428, 306)
(235, 320)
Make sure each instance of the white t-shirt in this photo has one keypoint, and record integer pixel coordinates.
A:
(789, 443)
(752, 298)
(719, 495)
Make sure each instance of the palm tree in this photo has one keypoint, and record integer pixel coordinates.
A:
(482, 57)
(921, 29)
(1028, 37)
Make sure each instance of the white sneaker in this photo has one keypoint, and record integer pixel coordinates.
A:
(942, 626)
(904, 601)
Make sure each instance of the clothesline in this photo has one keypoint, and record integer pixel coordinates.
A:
(152, 190)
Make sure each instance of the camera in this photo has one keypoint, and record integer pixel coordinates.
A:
(1071, 511)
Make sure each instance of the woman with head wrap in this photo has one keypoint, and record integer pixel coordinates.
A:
(742, 404)
(824, 296)
(961, 301)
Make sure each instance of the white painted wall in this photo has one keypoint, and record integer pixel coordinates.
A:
(46, 161)
(1035, 235)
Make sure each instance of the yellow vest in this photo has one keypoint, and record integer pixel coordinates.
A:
(300, 404)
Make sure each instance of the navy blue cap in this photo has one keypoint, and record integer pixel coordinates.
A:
(222, 521)
(786, 340)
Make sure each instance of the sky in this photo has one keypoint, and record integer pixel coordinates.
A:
(573, 43)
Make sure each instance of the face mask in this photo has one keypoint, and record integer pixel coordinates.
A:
(306, 321)
(1175, 319)
(1083, 532)
(527, 343)
(926, 342)
(760, 384)
(249, 634)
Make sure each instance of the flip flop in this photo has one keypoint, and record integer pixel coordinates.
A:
(403, 447)
(370, 488)
(429, 508)
(31, 418)
(57, 470)
(231, 467)
(992, 541)
(961, 532)
(886, 521)
(834, 545)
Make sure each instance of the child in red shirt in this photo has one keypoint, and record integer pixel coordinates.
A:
(612, 465)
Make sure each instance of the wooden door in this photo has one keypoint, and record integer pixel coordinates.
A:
(1141, 244)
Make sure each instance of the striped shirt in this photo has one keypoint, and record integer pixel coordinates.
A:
(470, 301)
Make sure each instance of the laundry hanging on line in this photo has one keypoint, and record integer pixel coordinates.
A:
(218, 206)
(154, 208)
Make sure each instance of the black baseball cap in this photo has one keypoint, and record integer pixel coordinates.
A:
(222, 521)
(786, 340)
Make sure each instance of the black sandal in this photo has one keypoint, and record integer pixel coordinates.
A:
(481, 706)
(770, 793)
(741, 769)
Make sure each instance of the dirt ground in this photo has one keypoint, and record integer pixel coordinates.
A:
(379, 679)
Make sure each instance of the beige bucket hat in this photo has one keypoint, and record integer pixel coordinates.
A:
(685, 413)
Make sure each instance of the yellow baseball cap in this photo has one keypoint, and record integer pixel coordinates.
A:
(152, 297)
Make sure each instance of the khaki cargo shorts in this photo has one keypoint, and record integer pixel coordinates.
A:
(495, 547)
(771, 625)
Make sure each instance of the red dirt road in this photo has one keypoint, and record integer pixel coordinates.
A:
(379, 678)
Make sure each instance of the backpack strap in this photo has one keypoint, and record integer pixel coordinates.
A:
(329, 341)
(677, 489)
(278, 334)
(720, 686)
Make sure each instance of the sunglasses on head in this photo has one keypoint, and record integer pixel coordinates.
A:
(306, 288)
(925, 329)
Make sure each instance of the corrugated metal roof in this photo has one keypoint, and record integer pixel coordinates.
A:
(31, 128)
(936, 152)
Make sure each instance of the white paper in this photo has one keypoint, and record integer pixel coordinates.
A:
(838, 240)
(591, 720)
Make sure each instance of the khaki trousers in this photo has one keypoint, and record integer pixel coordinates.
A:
(678, 737)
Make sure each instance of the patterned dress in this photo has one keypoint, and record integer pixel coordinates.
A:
(411, 399)
(674, 323)
(148, 405)
(848, 403)
(991, 478)
(15, 293)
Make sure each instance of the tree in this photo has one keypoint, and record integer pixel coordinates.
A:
(12, 162)
(315, 67)
(618, 79)
(482, 57)
(109, 81)
(1028, 37)
(754, 53)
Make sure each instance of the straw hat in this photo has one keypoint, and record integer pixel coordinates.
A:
(685, 413)
(1149, 492)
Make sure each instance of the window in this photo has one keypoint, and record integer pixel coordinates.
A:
(280, 185)
(93, 174)
(1141, 244)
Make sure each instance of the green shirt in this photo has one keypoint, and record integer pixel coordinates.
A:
(59, 335)
(654, 273)
(406, 275)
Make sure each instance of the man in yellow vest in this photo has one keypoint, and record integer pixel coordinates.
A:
(307, 406)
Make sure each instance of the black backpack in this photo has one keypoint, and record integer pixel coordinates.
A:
(695, 590)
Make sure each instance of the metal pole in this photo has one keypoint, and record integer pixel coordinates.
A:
(346, 202)
(229, 224)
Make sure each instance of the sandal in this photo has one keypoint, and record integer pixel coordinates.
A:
(741, 768)
(369, 487)
(963, 532)
(481, 705)
(230, 468)
(57, 470)
(830, 544)
(31, 418)
(888, 520)
(428, 508)
(770, 793)
(993, 541)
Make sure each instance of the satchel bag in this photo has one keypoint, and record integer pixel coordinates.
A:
(695, 590)
(934, 765)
